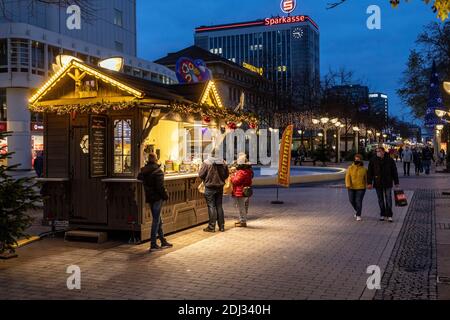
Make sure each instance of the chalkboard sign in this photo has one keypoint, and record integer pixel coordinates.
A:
(98, 140)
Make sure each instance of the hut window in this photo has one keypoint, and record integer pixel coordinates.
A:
(122, 147)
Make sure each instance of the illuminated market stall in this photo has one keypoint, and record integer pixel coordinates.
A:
(99, 127)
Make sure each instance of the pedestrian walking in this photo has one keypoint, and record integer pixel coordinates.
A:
(400, 153)
(241, 178)
(442, 157)
(417, 159)
(407, 159)
(155, 194)
(427, 157)
(213, 173)
(383, 175)
(356, 183)
(39, 164)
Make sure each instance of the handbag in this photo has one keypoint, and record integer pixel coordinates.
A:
(400, 198)
(201, 187)
(248, 192)
(228, 187)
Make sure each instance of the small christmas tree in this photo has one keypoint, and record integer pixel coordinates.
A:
(17, 196)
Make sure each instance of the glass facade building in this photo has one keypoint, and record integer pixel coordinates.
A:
(286, 48)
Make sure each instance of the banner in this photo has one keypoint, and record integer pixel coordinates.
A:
(284, 165)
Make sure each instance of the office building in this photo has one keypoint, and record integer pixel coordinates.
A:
(379, 104)
(33, 33)
(285, 48)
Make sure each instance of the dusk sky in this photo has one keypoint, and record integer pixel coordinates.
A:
(377, 56)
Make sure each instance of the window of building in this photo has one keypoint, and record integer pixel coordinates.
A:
(20, 57)
(2, 104)
(118, 17)
(37, 58)
(3, 56)
(119, 46)
(122, 146)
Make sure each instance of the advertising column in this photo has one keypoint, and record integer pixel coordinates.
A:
(19, 124)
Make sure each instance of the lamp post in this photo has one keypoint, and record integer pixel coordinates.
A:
(339, 127)
(378, 137)
(356, 131)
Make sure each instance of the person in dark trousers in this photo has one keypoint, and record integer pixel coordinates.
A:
(382, 175)
(356, 183)
(241, 177)
(213, 173)
(407, 159)
(400, 153)
(39, 164)
(417, 159)
(155, 193)
(427, 157)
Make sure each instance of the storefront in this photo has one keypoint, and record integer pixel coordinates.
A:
(99, 127)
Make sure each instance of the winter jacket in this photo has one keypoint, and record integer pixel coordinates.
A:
(382, 173)
(407, 156)
(213, 173)
(356, 177)
(153, 179)
(240, 179)
(427, 154)
(417, 158)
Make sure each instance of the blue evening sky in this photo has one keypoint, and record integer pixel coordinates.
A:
(377, 56)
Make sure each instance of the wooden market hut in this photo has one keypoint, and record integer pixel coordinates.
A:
(96, 125)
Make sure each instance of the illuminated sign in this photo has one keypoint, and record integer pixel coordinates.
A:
(250, 67)
(3, 126)
(284, 20)
(266, 22)
(287, 6)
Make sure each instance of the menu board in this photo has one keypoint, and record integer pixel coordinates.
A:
(98, 164)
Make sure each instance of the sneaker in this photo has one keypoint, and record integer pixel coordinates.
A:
(240, 224)
(166, 245)
(209, 230)
(355, 216)
(358, 219)
(222, 229)
(390, 220)
(382, 219)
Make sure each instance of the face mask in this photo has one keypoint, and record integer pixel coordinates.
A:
(358, 162)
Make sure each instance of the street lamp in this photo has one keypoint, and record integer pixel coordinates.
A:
(356, 130)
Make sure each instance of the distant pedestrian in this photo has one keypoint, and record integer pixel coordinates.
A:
(382, 175)
(400, 153)
(427, 157)
(356, 183)
(407, 159)
(417, 159)
(152, 178)
(442, 157)
(39, 164)
(241, 178)
(214, 173)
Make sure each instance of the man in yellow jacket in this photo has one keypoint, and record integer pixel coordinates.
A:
(356, 183)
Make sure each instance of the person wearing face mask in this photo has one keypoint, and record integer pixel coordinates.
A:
(383, 175)
(356, 183)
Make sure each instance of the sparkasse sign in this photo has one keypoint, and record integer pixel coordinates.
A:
(288, 6)
(284, 20)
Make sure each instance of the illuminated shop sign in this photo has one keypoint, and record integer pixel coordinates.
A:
(266, 22)
(284, 20)
(3, 126)
(287, 6)
(35, 126)
(250, 67)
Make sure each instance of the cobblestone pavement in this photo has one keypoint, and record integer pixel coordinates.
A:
(412, 269)
(308, 248)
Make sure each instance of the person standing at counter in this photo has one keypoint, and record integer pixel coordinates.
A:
(155, 193)
(213, 173)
